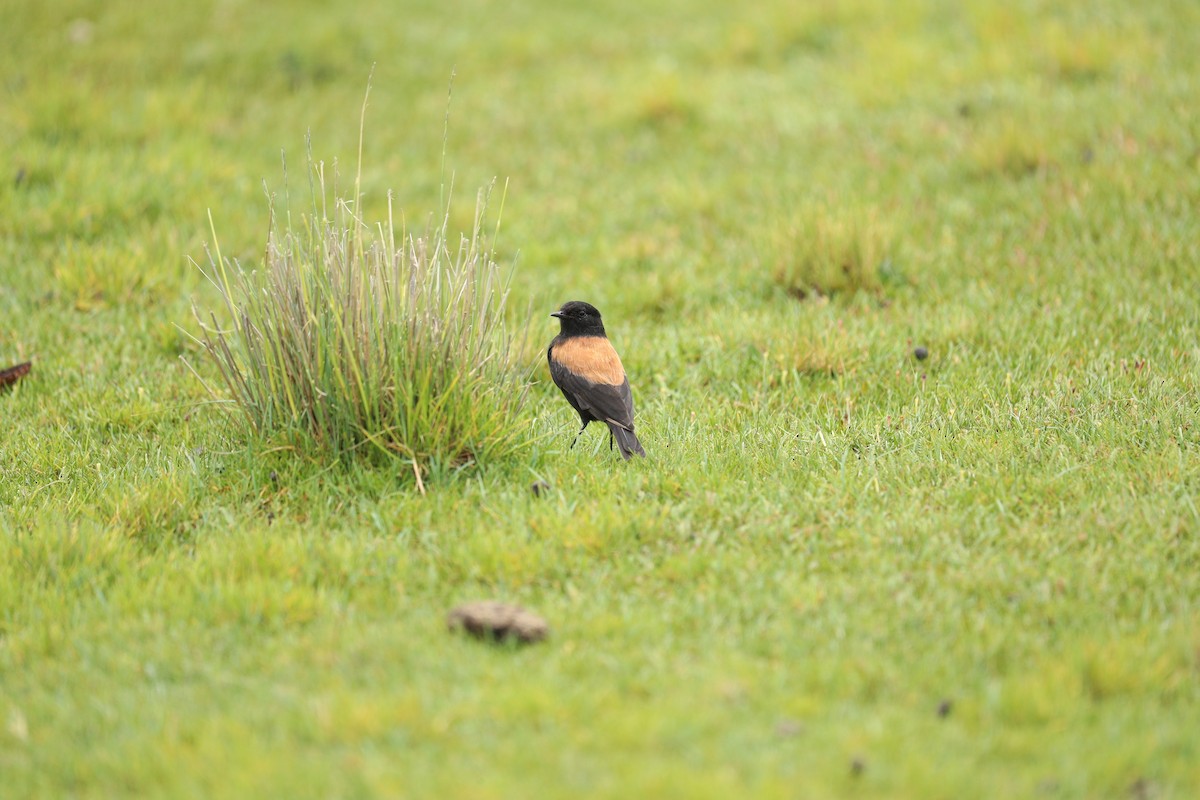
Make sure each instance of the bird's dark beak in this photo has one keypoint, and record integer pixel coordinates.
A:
(556, 314)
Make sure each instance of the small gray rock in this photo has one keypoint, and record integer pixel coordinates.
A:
(921, 353)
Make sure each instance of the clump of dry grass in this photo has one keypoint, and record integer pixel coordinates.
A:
(1011, 147)
(369, 338)
(830, 250)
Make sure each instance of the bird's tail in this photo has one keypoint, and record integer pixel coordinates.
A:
(628, 443)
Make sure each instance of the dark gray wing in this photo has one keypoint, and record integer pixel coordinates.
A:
(601, 401)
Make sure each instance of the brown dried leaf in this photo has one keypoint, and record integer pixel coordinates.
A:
(489, 619)
(13, 374)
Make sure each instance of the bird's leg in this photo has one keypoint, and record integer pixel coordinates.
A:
(610, 439)
(576, 439)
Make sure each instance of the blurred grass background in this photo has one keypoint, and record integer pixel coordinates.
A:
(829, 539)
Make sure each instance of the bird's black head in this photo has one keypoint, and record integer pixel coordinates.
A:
(579, 319)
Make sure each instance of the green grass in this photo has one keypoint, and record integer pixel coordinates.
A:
(828, 539)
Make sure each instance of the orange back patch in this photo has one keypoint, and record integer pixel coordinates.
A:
(591, 358)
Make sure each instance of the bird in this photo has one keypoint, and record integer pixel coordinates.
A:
(588, 370)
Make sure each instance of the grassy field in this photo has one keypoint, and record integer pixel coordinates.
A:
(841, 571)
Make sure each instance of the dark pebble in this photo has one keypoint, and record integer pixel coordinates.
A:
(944, 708)
(921, 353)
(1142, 789)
